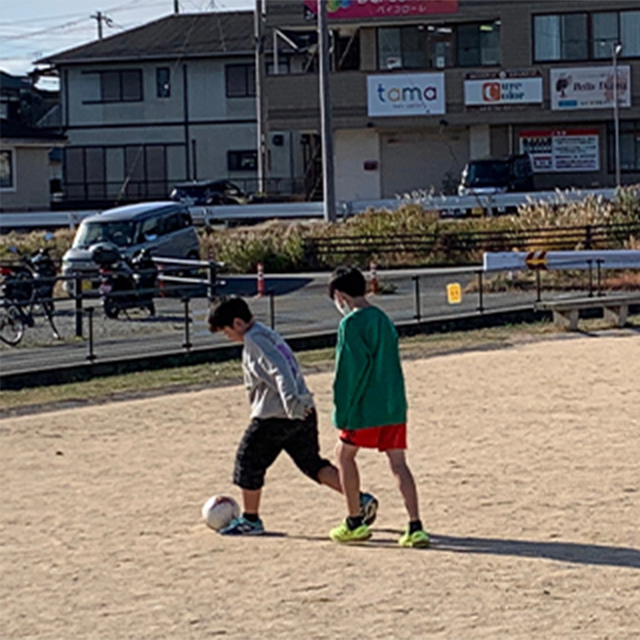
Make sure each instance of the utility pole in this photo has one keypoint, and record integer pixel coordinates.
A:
(99, 17)
(328, 177)
(176, 6)
(261, 126)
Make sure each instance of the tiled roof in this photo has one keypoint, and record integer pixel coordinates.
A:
(183, 35)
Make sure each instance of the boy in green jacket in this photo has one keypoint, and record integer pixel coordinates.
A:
(370, 406)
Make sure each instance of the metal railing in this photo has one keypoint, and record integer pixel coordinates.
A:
(416, 249)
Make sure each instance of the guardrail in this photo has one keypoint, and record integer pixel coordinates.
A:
(447, 206)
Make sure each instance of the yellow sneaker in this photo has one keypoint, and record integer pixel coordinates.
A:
(418, 539)
(342, 533)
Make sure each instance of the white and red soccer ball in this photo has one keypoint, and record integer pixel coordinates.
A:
(219, 511)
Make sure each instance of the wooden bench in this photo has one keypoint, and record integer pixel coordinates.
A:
(567, 312)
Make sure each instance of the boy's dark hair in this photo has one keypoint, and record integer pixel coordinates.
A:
(224, 313)
(347, 280)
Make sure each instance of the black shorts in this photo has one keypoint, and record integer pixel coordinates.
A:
(263, 441)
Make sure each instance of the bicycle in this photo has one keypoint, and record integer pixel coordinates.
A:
(24, 287)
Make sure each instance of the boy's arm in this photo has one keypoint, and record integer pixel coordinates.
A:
(353, 363)
(279, 373)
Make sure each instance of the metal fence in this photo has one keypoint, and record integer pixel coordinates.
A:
(413, 250)
(296, 305)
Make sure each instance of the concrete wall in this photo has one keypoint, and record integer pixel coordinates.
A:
(354, 179)
(31, 179)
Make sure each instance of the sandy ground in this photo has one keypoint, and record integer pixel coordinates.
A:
(528, 466)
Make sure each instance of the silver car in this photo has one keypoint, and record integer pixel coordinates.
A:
(164, 228)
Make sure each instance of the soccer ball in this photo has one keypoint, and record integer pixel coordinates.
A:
(219, 511)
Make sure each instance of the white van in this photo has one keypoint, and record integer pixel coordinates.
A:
(164, 228)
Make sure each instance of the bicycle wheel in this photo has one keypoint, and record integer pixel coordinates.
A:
(11, 326)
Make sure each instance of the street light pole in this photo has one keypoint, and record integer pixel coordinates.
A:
(616, 48)
(325, 116)
(261, 133)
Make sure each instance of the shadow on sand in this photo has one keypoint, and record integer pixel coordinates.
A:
(576, 553)
(592, 554)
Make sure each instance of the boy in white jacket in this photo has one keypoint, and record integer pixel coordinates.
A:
(283, 415)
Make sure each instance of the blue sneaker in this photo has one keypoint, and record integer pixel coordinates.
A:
(243, 527)
(368, 508)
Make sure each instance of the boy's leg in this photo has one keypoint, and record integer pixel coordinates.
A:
(349, 476)
(330, 476)
(406, 483)
(251, 501)
(415, 535)
(353, 528)
(258, 449)
(304, 448)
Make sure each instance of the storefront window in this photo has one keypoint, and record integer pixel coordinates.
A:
(605, 34)
(432, 47)
(560, 37)
(629, 146)
(582, 36)
(630, 34)
(479, 44)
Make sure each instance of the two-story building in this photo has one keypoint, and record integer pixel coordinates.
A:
(170, 101)
(419, 87)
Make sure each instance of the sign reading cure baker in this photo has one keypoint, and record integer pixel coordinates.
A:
(383, 8)
(494, 92)
(411, 94)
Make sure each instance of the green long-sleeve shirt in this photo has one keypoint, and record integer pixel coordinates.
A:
(368, 388)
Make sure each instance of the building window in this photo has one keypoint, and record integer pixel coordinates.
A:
(613, 27)
(560, 37)
(163, 82)
(242, 160)
(439, 46)
(479, 44)
(241, 80)
(629, 146)
(6, 169)
(582, 36)
(121, 86)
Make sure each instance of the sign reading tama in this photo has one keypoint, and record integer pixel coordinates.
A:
(495, 92)
(415, 94)
(589, 88)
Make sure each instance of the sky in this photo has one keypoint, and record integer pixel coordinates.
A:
(32, 29)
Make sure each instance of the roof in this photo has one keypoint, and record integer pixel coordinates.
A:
(10, 129)
(135, 211)
(177, 35)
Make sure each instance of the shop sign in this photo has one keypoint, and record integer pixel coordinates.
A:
(414, 94)
(589, 88)
(346, 9)
(560, 151)
(502, 89)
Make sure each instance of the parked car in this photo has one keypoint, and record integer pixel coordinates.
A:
(491, 176)
(165, 229)
(211, 192)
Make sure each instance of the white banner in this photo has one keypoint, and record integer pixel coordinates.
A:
(560, 151)
(416, 94)
(606, 259)
(497, 91)
(589, 88)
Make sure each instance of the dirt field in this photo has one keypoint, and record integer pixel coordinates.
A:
(528, 466)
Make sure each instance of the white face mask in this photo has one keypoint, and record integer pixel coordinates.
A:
(342, 307)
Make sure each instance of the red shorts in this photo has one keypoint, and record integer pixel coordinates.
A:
(392, 436)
